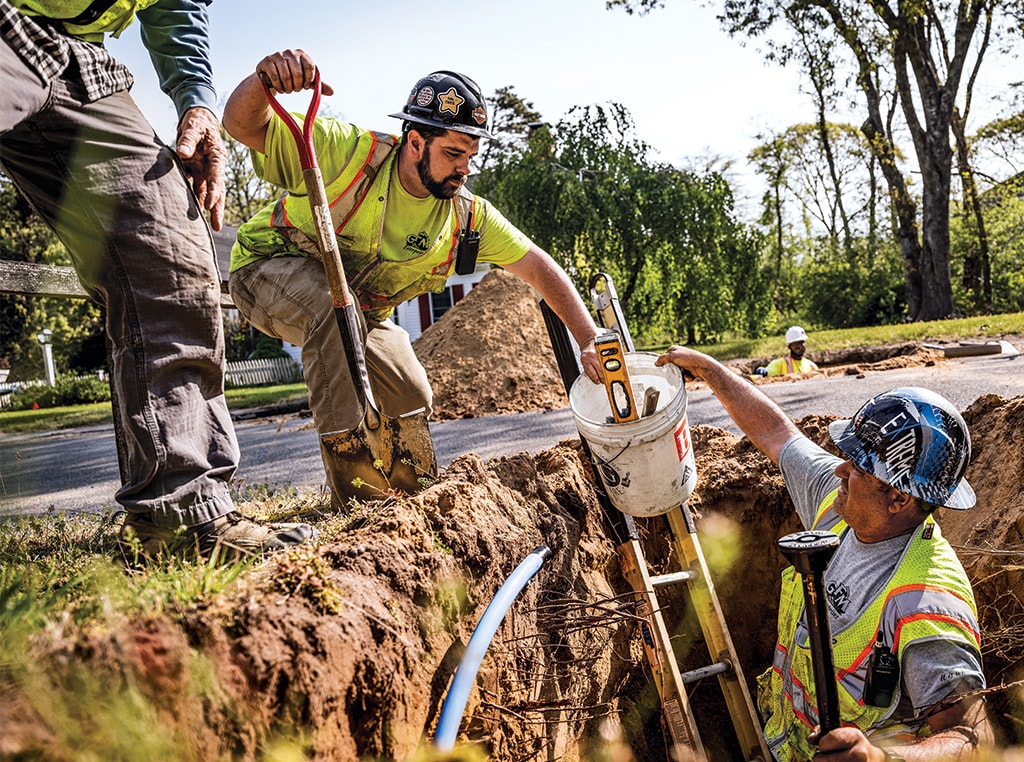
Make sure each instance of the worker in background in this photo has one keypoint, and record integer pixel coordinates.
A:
(400, 209)
(129, 209)
(906, 642)
(794, 362)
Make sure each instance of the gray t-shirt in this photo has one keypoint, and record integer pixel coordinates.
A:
(858, 572)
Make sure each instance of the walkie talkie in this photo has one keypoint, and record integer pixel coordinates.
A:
(465, 257)
(883, 674)
(615, 377)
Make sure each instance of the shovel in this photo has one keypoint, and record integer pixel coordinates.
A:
(381, 453)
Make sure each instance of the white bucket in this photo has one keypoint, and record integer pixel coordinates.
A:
(646, 465)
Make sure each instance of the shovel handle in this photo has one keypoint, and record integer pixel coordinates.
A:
(341, 297)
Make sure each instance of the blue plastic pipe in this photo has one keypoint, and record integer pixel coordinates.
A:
(465, 673)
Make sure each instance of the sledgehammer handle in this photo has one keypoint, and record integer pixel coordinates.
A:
(810, 552)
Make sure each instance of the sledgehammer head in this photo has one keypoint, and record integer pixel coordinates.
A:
(809, 551)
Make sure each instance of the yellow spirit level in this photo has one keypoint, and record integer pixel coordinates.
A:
(615, 377)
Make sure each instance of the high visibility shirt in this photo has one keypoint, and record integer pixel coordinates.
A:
(928, 597)
(394, 246)
(782, 366)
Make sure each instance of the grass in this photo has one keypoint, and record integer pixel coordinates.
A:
(983, 327)
(72, 416)
(986, 326)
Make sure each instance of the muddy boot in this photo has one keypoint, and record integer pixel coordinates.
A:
(226, 538)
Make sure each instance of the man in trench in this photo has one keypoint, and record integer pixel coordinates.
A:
(897, 595)
(406, 209)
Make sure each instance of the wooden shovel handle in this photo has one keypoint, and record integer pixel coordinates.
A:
(341, 297)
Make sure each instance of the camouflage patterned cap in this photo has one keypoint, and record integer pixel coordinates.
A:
(913, 440)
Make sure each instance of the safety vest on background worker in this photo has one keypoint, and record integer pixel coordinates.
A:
(926, 599)
(88, 19)
(782, 366)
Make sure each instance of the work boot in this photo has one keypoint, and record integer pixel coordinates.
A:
(226, 538)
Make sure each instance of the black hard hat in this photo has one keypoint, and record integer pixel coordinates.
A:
(448, 100)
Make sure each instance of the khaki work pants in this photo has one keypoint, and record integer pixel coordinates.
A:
(119, 200)
(288, 297)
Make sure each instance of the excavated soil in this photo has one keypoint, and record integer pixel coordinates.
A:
(347, 647)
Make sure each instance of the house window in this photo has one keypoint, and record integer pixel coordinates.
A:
(440, 304)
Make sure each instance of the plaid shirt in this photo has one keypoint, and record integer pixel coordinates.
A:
(48, 52)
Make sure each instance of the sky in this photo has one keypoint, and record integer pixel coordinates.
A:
(691, 89)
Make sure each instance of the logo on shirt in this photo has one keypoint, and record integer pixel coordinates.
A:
(838, 596)
(417, 242)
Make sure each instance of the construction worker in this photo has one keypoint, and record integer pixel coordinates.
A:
(794, 362)
(901, 609)
(399, 207)
(79, 150)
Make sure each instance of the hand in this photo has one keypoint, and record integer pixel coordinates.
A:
(762, 371)
(202, 151)
(847, 744)
(588, 359)
(688, 360)
(291, 71)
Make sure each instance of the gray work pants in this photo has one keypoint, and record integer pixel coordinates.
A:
(288, 297)
(119, 200)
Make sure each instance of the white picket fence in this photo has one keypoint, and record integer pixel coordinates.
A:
(275, 370)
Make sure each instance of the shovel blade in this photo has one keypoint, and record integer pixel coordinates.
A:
(367, 462)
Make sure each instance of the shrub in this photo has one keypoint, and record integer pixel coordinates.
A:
(68, 390)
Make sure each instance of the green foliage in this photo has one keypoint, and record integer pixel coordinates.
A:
(244, 342)
(589, 194)
(1002, 208)
(863, 288)
(67, 390)
(25, 238)
(246, 193)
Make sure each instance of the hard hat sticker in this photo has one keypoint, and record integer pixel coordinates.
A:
(479, 115)
(424, 96)
(450, 101)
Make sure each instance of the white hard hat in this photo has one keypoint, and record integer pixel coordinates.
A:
(796, 333)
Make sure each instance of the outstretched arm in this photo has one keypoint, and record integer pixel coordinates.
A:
(758, 417)
(542, 272)
(247, 112)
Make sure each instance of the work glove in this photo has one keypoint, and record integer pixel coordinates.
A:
(762, 371)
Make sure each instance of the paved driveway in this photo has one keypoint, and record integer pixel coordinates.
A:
(76, 470)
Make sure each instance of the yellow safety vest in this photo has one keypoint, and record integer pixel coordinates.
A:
(927, 598)
(286, 228)
(784, 366)
(88, 19)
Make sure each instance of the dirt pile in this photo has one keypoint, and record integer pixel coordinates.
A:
(490, 353)
(346, 649)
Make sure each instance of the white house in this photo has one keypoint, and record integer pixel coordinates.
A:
(420, 313)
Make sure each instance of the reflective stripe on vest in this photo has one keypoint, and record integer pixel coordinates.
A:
(927, 598)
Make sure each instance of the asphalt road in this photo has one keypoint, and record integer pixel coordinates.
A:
(76, 470)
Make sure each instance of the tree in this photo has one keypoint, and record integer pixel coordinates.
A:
(246, 193)
(74, 322)
(587, 192)
(512, 121)
(912, 57)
